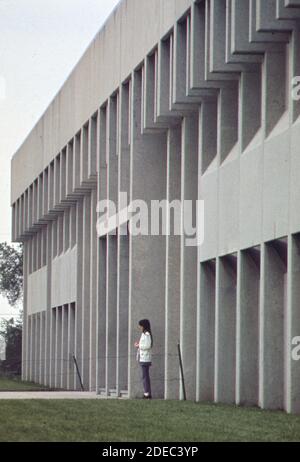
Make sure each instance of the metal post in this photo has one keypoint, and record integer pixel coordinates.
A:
(181, 370)
(78, 373)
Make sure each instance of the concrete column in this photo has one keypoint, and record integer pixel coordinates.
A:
(51, 187)
(188, 263)
(172, 296)
(26, 209)
(18, 217)
(53, 314)
(66, 233)
(25, 336)
(179, 89)
(163, 79)
(101, 259)
(76, 163)
(70, 169)
(295, 68)
(35, 202)
(274, 88)
(56, 201)
(84, 156)
(149, 93)
(39, 204)
(33, 253)
(206, 332)
(79, 307)
(44, 245)
(71, 376)
(60, 233)
(22, 218)
(146, 253)
(271, 361)
(24, 213)
(54, 238)
(73, 238)
(30, 349)
(122, 314)
(40, 248)
(292, 404)
(33, 348)
(111, 314)
(227, 120)
(30, 205)
(93, 293)
(42, 346)
(250, 97)
(101, 315)
(29, 243)
(111, 300)
(58, 350)
(13, 221)
(45, 205)
(225, 334)
(85, 301)
(47, 370)
(36, 347)
(63, 175)
(207, 134)
(64, 348)
(123, 245)
(102, 154)
(247, 332)
(92, 148)
(49, 258)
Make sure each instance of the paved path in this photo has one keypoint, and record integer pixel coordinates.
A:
(49, 395)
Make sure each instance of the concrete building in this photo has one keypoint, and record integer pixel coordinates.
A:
(174, 99)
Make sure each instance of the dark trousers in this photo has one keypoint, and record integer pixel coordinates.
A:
(146, 377)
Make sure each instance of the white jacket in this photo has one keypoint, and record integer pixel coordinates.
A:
(144, 350)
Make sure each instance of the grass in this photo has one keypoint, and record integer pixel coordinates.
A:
(9, 384)
(134, 421)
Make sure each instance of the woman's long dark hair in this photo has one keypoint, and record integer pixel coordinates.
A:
(145, 323)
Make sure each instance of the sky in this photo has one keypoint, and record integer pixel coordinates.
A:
(41, 42)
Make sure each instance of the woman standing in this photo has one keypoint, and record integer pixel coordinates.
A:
(144, 354)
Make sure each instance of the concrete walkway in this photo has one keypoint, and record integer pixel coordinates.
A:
(49, 395)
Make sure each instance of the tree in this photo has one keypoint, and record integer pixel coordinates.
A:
(11, 331)
(11, 272)
(11, 287)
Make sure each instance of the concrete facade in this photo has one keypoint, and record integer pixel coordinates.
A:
(177, 100)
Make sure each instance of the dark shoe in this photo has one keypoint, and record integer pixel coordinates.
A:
(147, 397)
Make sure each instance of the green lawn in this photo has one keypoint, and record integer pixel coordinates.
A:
(149, 421)
(8, 384)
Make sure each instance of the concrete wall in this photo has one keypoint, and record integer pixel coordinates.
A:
(37, 291)
(63, 286)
